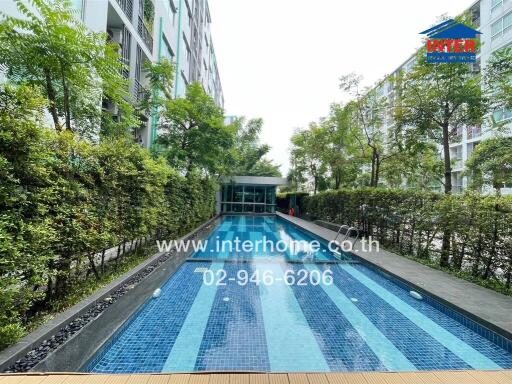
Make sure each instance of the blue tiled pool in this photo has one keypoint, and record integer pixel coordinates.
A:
(358, 321)
(261, 229)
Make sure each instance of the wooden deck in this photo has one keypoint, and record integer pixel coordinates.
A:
(435, 377)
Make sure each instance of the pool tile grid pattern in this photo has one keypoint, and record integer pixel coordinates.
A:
(473, 325)
(365, 321)
(236, 335)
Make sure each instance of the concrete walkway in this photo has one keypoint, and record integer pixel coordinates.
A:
(483, 305)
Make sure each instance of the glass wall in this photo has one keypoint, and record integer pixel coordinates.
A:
(248, 198)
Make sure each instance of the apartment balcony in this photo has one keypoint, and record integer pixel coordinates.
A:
(473, 132)
(127, 7)
(145, 34)
(139, 91)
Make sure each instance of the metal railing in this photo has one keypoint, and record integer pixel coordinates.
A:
(145, 34)
(139, 92)
(127, 7)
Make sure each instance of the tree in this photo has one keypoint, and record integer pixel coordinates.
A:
(498, 72)
(491, 163)
(307, 146)
(75, 69)
(249, 153)
(416, 167)
(368, 113)
(434, 101)
(194, 132)
(342, 152)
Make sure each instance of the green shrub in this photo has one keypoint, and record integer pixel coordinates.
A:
(64, 199)
(478, 228)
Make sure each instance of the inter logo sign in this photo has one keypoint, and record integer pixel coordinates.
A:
(451, 42)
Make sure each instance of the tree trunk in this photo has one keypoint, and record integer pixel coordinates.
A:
(51, 97)
(447, 160)
(103, 260)
(374, 181)
(377, 168)
(93, 266)
(67, 110)
(445, 250)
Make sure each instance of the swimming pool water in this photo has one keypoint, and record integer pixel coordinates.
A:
(361, 322)
(273, 230)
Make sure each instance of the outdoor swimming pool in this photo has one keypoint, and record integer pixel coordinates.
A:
(278, 313)
(289, 242)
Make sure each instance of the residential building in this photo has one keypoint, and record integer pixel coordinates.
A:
(494, 19)
(178, 30)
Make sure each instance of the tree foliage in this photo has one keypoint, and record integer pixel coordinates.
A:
(49, 48)
(491, 163)
(498, 73)
(248, 153)
(367, 114)
(194, 133)
(65, 200)
(435, 101)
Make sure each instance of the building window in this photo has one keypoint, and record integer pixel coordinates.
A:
(248, 198)
(496, 28)
(495, 4)
(125, 51)
(502, 115)
(501, 26)
(507, 22)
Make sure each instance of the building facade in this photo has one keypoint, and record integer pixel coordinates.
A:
(494, 19)
(248, 194)
(178, 30)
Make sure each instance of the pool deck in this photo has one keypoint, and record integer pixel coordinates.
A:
(434, 377)
(488, 307)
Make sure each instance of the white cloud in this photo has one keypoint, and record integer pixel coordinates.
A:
(281, 59)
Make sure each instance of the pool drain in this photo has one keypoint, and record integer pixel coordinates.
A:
(225, 299)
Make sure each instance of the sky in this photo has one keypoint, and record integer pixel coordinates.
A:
(281, 60)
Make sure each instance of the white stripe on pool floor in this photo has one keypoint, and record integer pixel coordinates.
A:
(383, 348)
(467, 353)
(290, 342)
(184, 352)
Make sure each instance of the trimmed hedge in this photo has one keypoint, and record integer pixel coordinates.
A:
(63, 200)
(478, 228)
